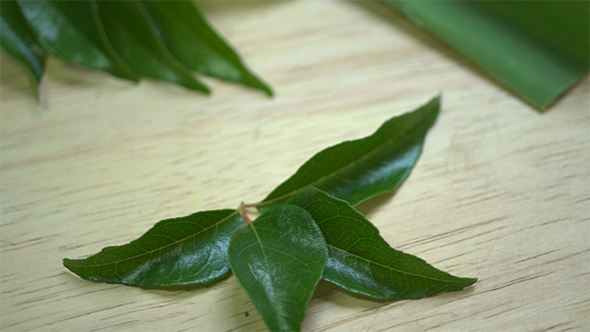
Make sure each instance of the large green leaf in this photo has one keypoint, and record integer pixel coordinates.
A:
(18, 40)
(190, 38)
(536, 48)
(279, 260)
(179, 251)
(122, 38)
(70, 30)
(360, 261)
(360, 169)
(132, 33)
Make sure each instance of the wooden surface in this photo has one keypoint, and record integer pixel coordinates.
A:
(501, 192)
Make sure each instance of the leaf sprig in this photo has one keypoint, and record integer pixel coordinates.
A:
(308, 230)
(161, 40)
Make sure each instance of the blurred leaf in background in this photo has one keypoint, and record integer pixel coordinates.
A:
(190, 38)
(128, 39)
(538, 49)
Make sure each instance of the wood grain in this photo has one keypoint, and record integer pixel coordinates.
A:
(501, 192)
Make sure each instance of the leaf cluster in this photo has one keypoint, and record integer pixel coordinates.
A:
(308, 230)
(161, 40)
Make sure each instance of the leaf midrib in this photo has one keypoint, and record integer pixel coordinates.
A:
(390, 268)
(163, 247)
(351, 164)
(273, 297)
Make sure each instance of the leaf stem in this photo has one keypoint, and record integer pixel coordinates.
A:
(242, 210)
(252, 205)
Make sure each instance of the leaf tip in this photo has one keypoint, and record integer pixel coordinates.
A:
(268, 91)
(436, 99)
(257, 83)
(202, 88)
(469, 281)
(68, 263)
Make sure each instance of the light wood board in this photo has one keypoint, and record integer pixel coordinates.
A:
(501, 192)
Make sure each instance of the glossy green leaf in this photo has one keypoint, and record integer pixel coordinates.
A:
(360, 261)
(279, 260)
(191, 39)
(70, 30)
(180, 251)
(536, 48)
(132, 33)
(360, 169)
(18, 40)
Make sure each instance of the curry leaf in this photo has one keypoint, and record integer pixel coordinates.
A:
(538, 49)
(18, 40)
(298, 239)
(70, 30)
(360, 261)
(131, 31)
(122, 38)
(360, 169)
(179, 251)
(279, 260)
(191, 39)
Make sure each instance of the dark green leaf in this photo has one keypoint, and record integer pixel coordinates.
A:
(360, 261)
(18, 40)
(179, 251)
(360, 169)
(191, 39)
(70, 30)
(536, 48)
(131, 31)
(279, 260)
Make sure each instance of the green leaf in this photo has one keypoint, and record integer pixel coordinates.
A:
(132, 33)
(191, 39)
(18, 40)
(180, 251)
(360, 261)
(71, 31)
(279, 260)
(536, 48)
(360, 169)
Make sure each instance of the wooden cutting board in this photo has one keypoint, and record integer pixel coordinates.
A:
(501, 192)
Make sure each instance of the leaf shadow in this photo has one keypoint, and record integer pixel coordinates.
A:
(164, 291)
(190, 287)
(330, 292)
(79, 76)
(14, 76)
(373, 204)
(327, 291)
(243, 314)
(72, 75)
